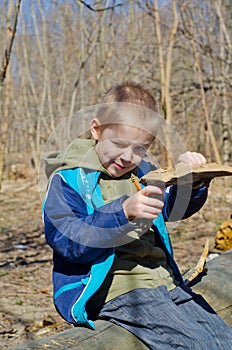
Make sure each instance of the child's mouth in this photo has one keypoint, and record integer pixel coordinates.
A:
(118, 166)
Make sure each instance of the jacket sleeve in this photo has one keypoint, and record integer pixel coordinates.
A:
(180, 202)
(75, 235)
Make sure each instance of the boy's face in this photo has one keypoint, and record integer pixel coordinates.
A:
(120, 147)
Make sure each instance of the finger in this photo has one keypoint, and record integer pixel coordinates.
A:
(199, 159)
(152, 190)
(192, 158)
(154, 203)
(153, 211)
(196, 158)
(151, 215)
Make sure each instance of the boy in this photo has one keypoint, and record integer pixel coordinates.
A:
(112, 254)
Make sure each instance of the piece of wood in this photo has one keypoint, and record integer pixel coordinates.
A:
(184, 174)
(216, 285)
(106, 337)
(201, 264)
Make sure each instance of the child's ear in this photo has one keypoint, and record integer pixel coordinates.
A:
(95, 129)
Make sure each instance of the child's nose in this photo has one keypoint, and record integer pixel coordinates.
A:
(127, 155)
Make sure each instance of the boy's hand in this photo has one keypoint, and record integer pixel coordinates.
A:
(145, 204)
(192, 158)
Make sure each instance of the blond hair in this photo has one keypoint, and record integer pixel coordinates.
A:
(131, 92)
(129, 103)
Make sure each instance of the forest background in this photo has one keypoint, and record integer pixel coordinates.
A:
(59, 57)
(65, 54)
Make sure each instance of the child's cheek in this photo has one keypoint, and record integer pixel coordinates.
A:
(137, 159)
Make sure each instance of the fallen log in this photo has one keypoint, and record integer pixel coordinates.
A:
(106, 337)
(215, 286)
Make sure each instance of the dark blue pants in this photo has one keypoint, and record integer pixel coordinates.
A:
(163, 320)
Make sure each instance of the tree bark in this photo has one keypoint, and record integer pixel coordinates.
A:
(165, 75)
(5, 93)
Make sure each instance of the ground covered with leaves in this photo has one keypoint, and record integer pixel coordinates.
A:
(26, 309)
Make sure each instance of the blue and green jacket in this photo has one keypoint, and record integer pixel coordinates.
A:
(82, 232)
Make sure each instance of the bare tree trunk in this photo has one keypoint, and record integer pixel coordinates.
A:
(165, 73)
(169, 63)
(224, 36)
(168, 79)
(161, 58)
(82, 54)
(204, 103)
(6, 122)
(11, 31)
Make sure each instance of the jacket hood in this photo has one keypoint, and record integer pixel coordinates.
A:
(80, 153)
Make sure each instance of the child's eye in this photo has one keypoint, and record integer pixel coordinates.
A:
(118, 143)
(141, 149)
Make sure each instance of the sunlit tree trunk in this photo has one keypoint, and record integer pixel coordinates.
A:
(225, 41)
(11, 25)
(165, 72)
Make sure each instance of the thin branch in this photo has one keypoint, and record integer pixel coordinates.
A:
(101, 9)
